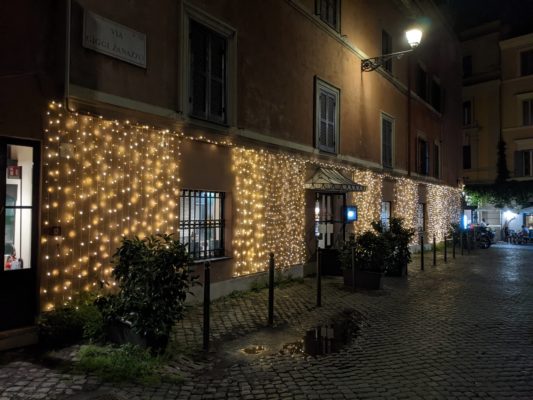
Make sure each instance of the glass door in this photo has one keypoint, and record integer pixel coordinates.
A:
(19, 159)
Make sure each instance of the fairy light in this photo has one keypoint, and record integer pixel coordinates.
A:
(369, 201)
(444, 205)
(406, 202)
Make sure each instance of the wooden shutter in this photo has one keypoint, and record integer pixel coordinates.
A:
(331, 106)
(386, 149)
(217, 78)
(199, 65)
(518, 163)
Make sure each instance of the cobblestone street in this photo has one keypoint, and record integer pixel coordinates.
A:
(460, 330)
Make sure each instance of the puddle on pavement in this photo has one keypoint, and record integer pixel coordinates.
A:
(326, 338)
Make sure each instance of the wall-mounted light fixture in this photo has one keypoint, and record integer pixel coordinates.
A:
(414, 36)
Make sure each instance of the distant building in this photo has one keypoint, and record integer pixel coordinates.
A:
(225, 122)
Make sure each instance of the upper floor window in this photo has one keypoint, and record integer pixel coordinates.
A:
(422, 156)
(422, 82)
(329, 12)
(467, 113)
(201, 223)
(526, 62)
(436, 95)
(467, 66)
(467, 157)
(523, 161)
(436, 160)
(327, 116)
(527, 112)
(208, 80)
(387, 132)
(386, 48)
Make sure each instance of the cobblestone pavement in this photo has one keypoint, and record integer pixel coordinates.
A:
(460, 330)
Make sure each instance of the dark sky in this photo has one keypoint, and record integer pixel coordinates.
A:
(517, 14)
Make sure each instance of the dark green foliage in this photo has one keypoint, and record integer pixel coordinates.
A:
(153, 278)
(379, 250)
(506, 194)
(70, 324)
(126, 363)
(501, 166)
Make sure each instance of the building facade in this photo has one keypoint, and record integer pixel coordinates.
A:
(211, 120)
(497, 99)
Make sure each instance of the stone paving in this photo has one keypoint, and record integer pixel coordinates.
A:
(460, 330)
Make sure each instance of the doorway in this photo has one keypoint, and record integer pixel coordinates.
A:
(19, 189)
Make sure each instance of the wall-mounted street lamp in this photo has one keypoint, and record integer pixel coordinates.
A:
(414, 36)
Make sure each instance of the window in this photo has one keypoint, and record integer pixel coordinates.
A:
(385, 214)
(523, 163)
(422, 83)
(327, 116)
(526, 62)
(328, 10)
(467, 113)
(422, 156)
(208, 64)
(436, 160)
(386, 141)
(436, 95)
(467, 158)
(467, 66)
(527, 112)
(386, 48)
(202, 223)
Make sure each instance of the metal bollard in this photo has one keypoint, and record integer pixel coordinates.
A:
(467, 243)
(207, 301)
(271, 268)
(462, 243)
(445, 249)
(434, 251)
(453, 245)
(422, 252)
(318, 278)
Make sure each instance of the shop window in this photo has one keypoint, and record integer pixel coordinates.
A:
(202, 223)
(387, 132)
(327, 117)
(208, 73)
(422, 156)
(329, 12)
(527, 112)
(386, 48)
(523, 163)
(18, 208)
(385, 214)
(526, 62)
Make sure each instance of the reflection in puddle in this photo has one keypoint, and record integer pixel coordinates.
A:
(254, 349)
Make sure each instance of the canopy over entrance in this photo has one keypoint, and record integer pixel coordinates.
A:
(330, 180)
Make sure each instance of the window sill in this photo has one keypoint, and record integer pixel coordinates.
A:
(212, 260)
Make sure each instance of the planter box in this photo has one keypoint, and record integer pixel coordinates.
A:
(364, 279)
(120, 332)
(401, 272)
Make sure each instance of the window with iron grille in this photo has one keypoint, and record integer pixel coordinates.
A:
(385, 214)
(202, 223)
(207, 93)
(328, 10)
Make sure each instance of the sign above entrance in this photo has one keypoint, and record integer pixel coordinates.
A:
(330, 180)
(112, 39)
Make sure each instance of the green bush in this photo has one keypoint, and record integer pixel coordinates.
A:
(153, 278)
(126, 363)
(370, 250)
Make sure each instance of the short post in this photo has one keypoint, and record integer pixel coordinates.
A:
(271, 268)
(422, 252)
(453, 245)
(207, 301)
(434, 251)
(318, 278)
(462, 243)
(445, 249)
(467, 243)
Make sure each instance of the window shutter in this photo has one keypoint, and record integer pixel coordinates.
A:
(217, 69)
(323, 129)
(518, 163)
(198, 51)
(331, 122)
(387, 143)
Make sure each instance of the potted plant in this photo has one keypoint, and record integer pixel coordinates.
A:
(399, 255)
(153, 279)
(364, 259)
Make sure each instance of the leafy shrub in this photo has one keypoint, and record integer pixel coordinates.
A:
(154, 280)
(125, 363)
(399, 238)
(370, 251)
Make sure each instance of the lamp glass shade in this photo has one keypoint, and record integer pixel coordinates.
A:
(414, 36)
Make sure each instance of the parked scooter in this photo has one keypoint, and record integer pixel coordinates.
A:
(483, 237)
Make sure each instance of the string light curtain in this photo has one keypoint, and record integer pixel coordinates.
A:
(102, 180)
(368, 202)
(406, 202)
(270, 209)
(443, 206)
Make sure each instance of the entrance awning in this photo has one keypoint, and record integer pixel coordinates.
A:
(330, 180)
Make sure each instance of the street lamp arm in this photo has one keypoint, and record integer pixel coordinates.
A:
(370, 64)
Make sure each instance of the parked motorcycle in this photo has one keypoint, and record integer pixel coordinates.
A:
(483, 237)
